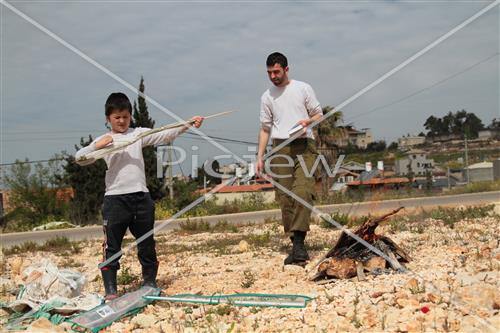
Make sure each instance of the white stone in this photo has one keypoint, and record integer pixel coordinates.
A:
(143, 320)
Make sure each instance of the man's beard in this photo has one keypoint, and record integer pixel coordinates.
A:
(277, 82)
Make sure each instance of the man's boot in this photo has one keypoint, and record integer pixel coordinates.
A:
(149, 276)
(109, 279)
(299, 254)
(300, 249)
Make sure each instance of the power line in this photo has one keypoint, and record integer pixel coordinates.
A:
(222, 139)
(197, 136)
(102, 130)
(254, 143)
(54, 131)
(41, 139)
(31, 162)
(425, 88)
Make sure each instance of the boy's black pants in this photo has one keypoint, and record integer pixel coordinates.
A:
(135, 211)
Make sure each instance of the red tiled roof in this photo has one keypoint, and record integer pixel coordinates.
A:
(379, 181)
(241, 188)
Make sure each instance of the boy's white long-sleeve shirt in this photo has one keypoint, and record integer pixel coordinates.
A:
(125, 172)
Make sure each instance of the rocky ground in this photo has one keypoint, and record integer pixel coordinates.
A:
(453, 284)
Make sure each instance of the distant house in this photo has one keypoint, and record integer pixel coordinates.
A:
(347, 172)
(489, 134)
(480, 172)
(410, 141)
(416, 161)
(353, 166)
(437, 182)
(377, 183)
(238, 170)
(359, 138)
(367, 175)
(443, 138)
(343, 177)
(234, 169)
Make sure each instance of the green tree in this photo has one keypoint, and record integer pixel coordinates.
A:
(433, 126)
(88, 183)
(376, 146)
(202, 175)
(33, 193)
(393, 146)
(141, 118)
(447, 124)
(459, 123)
(185, 193)
(327, 134)
(472, 125)
(495, 124)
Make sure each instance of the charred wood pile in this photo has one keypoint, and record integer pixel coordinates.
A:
(349, 258)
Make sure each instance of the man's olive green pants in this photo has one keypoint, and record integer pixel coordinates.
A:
(294, 174)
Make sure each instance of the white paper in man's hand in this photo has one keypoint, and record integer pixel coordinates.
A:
(295, 129)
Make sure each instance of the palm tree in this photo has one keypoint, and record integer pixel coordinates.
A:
(327, 134)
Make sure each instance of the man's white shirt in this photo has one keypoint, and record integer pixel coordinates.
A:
(283, 107)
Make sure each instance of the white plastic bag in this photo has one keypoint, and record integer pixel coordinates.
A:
(45, 283)
(44, 280)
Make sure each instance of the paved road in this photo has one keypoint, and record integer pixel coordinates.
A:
(359, 208)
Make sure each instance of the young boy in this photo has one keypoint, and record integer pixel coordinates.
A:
(127, 203)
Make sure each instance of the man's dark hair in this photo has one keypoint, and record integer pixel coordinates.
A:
(117, 101)
(276, 58)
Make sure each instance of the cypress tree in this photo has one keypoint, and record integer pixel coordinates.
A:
(141, 118)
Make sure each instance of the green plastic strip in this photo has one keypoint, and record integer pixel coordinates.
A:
(15, 321)
(261, 300)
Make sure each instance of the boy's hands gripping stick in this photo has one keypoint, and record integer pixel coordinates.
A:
(103, 142)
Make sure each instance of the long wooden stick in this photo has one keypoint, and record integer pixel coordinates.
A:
(95, 155)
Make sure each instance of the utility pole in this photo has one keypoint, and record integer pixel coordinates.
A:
(448, 174)
(466, 158)
(170, 176)
(167, 174)
(205, 177)
(204, 183)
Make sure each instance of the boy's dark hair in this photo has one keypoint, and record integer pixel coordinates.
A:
(276, 58)
(117, 101)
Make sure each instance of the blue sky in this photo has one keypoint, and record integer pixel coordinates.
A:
(203, 58)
